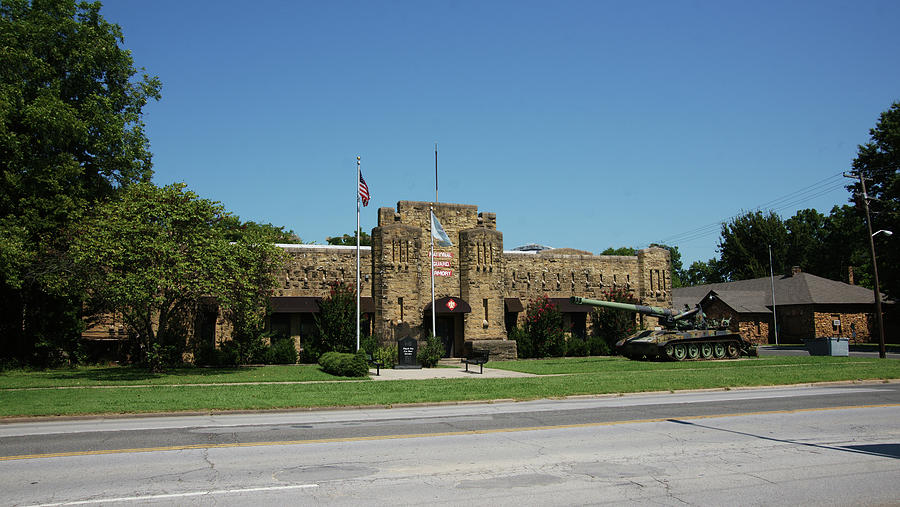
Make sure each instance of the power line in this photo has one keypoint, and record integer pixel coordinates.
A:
(787, 201)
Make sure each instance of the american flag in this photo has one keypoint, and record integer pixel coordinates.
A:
(363, 190)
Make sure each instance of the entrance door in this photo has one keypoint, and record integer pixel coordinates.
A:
(446, 330)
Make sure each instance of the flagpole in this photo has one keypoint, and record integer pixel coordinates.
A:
(357, 251)
(435, 175)
(431, 221)
(433, 309)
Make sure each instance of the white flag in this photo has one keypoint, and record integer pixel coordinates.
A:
(438, 232)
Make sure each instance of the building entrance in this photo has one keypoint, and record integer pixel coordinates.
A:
(445, 327)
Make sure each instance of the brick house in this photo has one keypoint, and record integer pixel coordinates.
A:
(807, 306)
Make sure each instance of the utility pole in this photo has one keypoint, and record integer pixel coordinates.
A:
(772, 274)
(882, 353)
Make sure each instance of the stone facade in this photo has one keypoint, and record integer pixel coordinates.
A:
(475, 277)
(857, 327)
(795, 323)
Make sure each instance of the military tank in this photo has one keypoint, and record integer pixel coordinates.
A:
(685, 335)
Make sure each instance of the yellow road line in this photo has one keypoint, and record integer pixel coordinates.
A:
(425, 435)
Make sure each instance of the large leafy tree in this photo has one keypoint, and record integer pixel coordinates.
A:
(744, 245)
(235, 229)
(700, 273)
(70, 134)
(879, 162)
(156, 253)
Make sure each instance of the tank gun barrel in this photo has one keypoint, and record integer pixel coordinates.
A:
(666, 314)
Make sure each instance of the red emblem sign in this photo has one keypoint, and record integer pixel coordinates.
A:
(451, 304)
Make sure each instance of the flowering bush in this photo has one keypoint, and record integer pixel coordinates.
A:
(545, 329)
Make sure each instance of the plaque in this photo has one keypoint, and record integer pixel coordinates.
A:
(407, 350)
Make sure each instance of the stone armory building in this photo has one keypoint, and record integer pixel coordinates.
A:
(480, 288)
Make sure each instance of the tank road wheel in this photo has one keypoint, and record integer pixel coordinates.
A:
(706, 351)
(719, 350)
(693, 351)
(679, 351)
(732, 350)
(670, 351)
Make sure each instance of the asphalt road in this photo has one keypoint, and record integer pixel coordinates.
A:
(835, 445)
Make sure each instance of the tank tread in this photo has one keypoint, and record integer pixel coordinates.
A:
(704, 349)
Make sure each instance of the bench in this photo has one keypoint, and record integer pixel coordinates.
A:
(376, 363)
(479, 357)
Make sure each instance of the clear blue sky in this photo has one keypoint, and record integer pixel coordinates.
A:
(581, 124)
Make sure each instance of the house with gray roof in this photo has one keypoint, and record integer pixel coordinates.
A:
(807, 306)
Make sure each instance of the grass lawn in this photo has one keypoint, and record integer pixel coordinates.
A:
(131, 391)
(127, 375)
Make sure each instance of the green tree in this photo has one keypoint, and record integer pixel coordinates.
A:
(744, 245)
(623, 250)
(335, 322)
(879, 162)
(156, 252)
(235, 229)
(70, 134)
(348, 240)
(844, 246)
(701, 273)
(806, 237)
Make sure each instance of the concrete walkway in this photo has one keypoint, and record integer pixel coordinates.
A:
(456, 370)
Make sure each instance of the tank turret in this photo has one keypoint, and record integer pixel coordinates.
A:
(686, 335)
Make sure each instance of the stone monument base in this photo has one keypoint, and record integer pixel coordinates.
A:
(500, 350)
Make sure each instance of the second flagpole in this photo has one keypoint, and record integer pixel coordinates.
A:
(357, 250)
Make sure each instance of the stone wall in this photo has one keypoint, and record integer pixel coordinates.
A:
(855, 326)
(310, 269)
(647, 276)
(754, 329)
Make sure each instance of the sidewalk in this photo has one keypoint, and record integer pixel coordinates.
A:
(457, 370)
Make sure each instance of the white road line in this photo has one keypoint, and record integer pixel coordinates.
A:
(177, 495)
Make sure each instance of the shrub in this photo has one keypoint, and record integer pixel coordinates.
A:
(281, 352)
(344, 364)
(387, 354)
(576, 347)
(544, 326)
(369, 344)
(598, 347)
(431, 353)
(524, 348)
